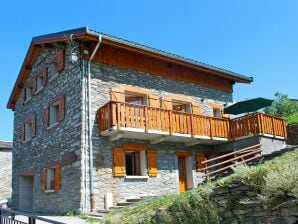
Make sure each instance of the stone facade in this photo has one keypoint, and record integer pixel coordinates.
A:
(292, 134)
(5, 170)
(105, 77)
(51, 144)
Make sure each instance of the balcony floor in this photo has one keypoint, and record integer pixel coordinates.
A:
(156, 136)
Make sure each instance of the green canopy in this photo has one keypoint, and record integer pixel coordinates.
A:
(248, 106)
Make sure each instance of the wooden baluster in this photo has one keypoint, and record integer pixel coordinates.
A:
(191, 125)
(170, 122)
(118, 118)
(211, 128)
(273, 126)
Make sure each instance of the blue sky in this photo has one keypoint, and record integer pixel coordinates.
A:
(255, 38)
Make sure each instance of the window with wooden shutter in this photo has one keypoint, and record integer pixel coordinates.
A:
(152, 163)
(200, 157)
(44, 179)
(57, 171)
(118, 162)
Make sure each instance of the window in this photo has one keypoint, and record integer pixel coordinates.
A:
(134, 98)
(28, 129)
(181, 106)
(54, 113)
(56, 65)
(217, 112)
(52, 71)
(28, 90)
(132, 163)
(134, 160)
(51, 178)
(39, 83)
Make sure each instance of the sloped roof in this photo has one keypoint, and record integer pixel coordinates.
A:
(5, 145)
(87, 34)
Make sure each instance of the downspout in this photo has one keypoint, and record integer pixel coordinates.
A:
(92, 201)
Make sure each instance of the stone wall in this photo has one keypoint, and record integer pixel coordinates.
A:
(50, 145)
(239, 204)
(5, 173)
(103, 78)
(292, 134)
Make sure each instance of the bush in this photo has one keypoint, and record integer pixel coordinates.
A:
(292, 119)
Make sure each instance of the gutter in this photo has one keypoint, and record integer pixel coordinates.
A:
(92, 201)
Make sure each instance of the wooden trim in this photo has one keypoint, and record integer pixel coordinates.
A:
(134, 147)
(183, 154)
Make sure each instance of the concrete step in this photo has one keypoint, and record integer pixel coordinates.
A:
(125, 203)
(134, 199)
(116, 207)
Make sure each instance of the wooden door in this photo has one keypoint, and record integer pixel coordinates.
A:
(182, 174)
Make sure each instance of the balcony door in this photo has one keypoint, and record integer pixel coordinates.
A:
(182, 174)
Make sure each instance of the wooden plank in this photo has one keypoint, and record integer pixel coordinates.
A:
(118, 116)
(232, 153)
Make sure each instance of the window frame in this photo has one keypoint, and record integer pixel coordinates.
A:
(31, 122)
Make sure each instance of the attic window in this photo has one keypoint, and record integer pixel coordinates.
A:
(52, 71)
(56, 65)
(28, 90)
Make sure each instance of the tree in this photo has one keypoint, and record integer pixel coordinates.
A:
(282, 106)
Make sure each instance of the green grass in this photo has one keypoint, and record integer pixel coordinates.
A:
(276, 181)
(292, 119)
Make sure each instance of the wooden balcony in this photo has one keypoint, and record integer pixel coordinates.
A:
(124, 120)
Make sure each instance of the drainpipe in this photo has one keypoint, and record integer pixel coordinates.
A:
(92, 201)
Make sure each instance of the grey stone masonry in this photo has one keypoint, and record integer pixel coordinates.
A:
(51, 144)
(5, 169)
(103, 78)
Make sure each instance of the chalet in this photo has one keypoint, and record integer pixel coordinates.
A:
(99, 120)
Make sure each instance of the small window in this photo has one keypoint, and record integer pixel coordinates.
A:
(180, 106)
(50, 179)
(132, 163)
(217, 112)
(54, 111)
(39, 83)
(52, 71)
(28, 131)
(28, 93)
(135, 98)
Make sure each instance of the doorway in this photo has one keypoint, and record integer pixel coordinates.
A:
(182, 174)
(26, 193)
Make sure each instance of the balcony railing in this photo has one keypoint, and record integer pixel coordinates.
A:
(121, 115)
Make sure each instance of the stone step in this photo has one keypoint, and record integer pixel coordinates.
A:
(125, 203)
(134, 199)
(116, 207)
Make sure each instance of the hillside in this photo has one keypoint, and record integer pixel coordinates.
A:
(264, 193)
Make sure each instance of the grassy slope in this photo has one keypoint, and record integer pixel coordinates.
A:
(276, 181)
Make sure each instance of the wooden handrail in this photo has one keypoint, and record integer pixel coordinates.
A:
(230, 166)
(248, 153)
(232, 153)
(142, 116)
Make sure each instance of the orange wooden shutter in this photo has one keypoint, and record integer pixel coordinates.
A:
(44, 74)
(118, 162)
(200, 158)
(43, 179)
(166, 103)
(46, 117)
(61, 108)
(117, 95)
(154, 101)
(57, 177)
(59, 60)
(33, 123)
(152, 163)
(23, 133)
(196, 109)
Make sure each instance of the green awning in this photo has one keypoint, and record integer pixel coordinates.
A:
(248, 106)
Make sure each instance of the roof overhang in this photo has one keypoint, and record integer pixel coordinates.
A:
(86, 35)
